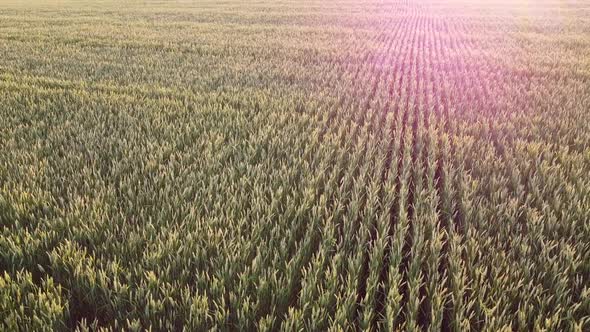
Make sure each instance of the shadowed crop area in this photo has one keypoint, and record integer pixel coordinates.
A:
(295, 165)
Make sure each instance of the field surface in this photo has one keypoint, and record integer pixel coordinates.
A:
(295, 165)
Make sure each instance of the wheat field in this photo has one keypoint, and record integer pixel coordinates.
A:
(295, 165)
